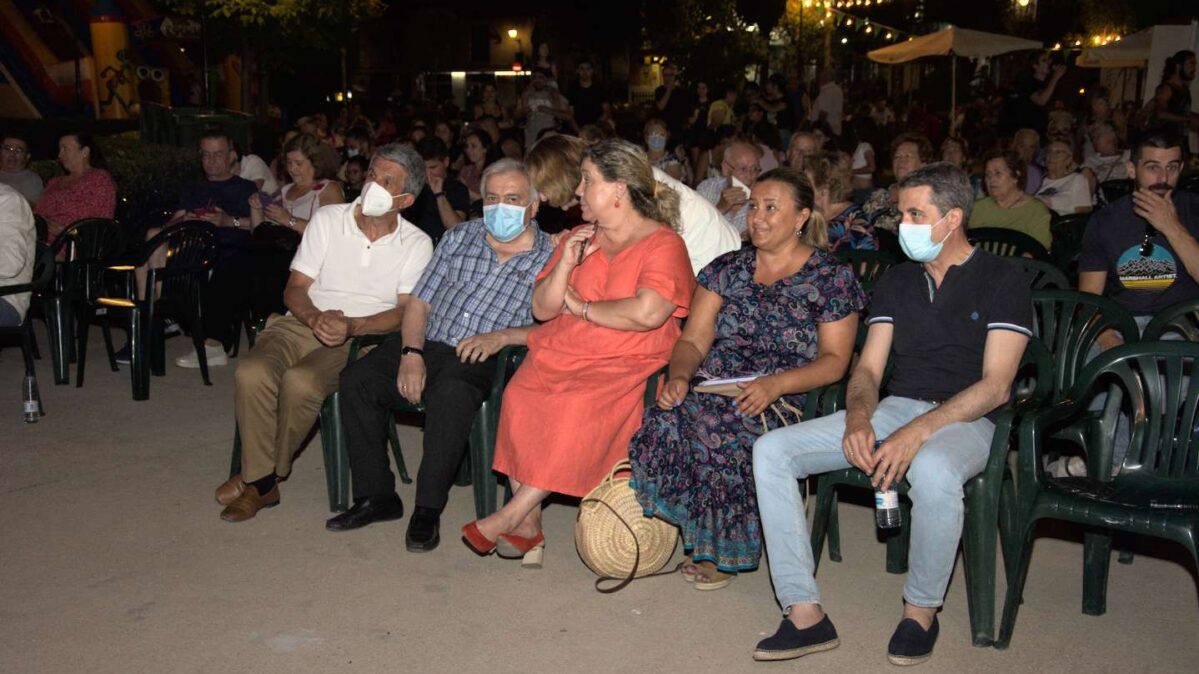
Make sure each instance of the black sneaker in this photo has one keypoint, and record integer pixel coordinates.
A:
(424, 530)
(791, 642)
(911, 644)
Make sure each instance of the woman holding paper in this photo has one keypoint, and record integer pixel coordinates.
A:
(610, 299)
(783, 309)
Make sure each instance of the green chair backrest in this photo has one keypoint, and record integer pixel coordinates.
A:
(1043, 275)
(1069, 324)
(1154, 383)
(1006, 242)
(1180, 318)
(867, 265)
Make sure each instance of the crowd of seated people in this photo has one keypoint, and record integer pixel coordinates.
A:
(531, 222)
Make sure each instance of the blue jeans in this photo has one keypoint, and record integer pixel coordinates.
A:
(9, 316)
(951, 456)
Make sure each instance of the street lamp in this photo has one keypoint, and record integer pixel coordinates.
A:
(512, 33)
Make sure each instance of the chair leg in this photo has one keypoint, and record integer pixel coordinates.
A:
(834, 533)
(28, 344)
(139, 368)
(482, 449)
(826, 494)
(1015, 590)
(37, 353)
(978, 545)
(83, 321)
(235, 455)
(337, 473)
(60, 342)
(1097, 557)
(1007, 525)
(106, 332)
(393, 438)
(201, 351)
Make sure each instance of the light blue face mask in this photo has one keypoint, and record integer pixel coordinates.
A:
(656, 142)
(917, 241)
(504, 222)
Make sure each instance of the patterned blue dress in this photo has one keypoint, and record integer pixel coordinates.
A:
(692, 465)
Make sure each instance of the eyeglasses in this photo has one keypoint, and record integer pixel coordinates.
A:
(15, 149)
(748, 170)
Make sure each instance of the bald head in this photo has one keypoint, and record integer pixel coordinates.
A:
(742, 160)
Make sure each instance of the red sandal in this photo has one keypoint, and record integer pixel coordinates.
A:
(511, 546)
(476, 540)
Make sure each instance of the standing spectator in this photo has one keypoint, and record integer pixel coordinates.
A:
(1172, 98)
(672, 101)
(656, 137)
(17, 253)
(720, 113)
(697, 121)
(1065, 189)
(14, 171)
(830, 102)
(86, 191)
(443, 202)
(778, 105)
(1027, 104)
(588, 99)
(541, 106)
(1006, 204)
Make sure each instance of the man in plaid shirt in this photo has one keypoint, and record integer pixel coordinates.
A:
(473, 299)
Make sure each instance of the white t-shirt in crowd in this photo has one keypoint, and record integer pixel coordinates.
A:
(1066, 194)
(859, 159)
(254, 169)
(1108, 168)
(351, 273)
(705, 231)
(830, 101)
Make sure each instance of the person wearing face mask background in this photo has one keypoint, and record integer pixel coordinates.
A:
(474, 298)
(954, 323)
(353, 275)
(656, 135)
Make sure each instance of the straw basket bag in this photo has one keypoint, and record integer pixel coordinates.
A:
(614, 537)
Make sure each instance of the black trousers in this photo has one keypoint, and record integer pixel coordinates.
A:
(453, 393)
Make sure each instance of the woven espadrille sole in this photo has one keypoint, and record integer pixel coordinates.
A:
(769, 656)
(907, 660)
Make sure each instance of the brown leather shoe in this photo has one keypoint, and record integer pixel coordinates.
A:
(249, 503)
(230, 489)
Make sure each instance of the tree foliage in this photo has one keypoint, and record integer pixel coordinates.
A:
(320, 24)
(707, 38)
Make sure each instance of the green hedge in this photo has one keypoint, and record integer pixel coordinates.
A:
(149, 177)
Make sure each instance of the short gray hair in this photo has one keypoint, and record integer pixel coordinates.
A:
(410, 159)
(950, 185)
(508, 165)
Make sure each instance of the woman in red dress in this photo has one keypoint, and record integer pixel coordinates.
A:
(609, 322)
(86, 191)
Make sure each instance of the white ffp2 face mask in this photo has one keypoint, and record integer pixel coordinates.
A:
(376, 200)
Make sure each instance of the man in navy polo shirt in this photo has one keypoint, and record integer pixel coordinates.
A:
(955, 323)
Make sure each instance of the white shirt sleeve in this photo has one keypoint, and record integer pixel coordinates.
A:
(311, 255)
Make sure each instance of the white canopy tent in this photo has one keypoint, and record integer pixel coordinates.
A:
(1148, 49)
(953, 41)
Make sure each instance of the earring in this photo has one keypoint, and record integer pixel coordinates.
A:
(617, 204)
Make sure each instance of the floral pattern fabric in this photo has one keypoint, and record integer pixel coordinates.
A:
(692, 465)
(851, 230)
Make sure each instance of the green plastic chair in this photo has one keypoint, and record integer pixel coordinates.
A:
(983, 518)
(867, 265)
(1006, 242)
(1116, 189)
(337, 463)
(1156, 491)
(1069, 323)
(1043, 275)
(1067, 231)
(1180, 318)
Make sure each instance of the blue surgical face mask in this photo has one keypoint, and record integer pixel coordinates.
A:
(917, 241)
(656, 141)
(504, 222)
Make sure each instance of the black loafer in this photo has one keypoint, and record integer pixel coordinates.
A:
(791, 642)
(368, 510)
(424, 530)
(911, 644)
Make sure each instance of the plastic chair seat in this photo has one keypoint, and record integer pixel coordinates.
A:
(1134, 492)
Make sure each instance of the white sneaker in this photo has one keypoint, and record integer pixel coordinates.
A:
(216, 356)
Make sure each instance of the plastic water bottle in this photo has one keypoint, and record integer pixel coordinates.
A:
(32, 405)
(886, 504)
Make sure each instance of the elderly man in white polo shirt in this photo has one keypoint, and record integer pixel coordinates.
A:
(353, 275)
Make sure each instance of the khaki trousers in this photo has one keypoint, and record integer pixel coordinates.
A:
(278, 391)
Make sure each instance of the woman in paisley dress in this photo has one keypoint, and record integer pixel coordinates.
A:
(782, 308)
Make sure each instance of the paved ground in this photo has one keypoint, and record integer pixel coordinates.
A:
(114, 560)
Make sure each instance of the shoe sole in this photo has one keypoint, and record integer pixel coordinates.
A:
(212, 362)
(907, 661)
(771, 656)
(423, 547)
(532, 558)
(705, 586)
(244, 519)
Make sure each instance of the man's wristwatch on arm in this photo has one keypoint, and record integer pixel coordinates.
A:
(410, 349)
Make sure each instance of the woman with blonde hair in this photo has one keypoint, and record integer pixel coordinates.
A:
(782, 309)
(312, 167)
(832, 179)
(554, 164)
(610, 300)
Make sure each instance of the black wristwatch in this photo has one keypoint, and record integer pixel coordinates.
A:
(408, 349)
(438, 194)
